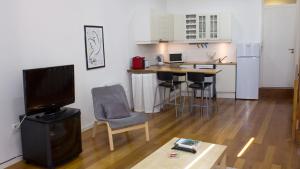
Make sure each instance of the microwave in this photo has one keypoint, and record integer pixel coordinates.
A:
(175, 58)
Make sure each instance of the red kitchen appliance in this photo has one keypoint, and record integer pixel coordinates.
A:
(138, 62)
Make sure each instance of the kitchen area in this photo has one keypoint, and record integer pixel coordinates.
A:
(204, 40)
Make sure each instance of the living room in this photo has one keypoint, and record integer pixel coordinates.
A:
(38, 34)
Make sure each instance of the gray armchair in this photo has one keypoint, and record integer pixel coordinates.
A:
(111, 107)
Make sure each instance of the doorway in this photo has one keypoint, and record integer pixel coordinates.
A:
(279, 38)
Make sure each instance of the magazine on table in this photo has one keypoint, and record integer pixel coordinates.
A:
(188, 145)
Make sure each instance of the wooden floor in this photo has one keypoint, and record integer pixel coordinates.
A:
(268, 120)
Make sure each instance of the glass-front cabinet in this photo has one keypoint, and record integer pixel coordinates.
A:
(207, 27)
(191, 27)
(213, 23)
(202, 27)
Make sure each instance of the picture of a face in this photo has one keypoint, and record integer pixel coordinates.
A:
(94, 47)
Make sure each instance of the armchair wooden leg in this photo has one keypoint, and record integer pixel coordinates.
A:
(94, 129)
(147, 131)
(110, 138)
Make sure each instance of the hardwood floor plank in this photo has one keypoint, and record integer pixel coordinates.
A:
(264, 126)
(231, 127)
(268, 120)
(256, 165)
(274, 166)
(268, 158)
(239, 163)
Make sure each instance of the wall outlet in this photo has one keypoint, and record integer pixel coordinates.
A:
(15, 126)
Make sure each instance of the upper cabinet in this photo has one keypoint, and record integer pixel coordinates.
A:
(152, 27)
(179, 28)
(197, 28)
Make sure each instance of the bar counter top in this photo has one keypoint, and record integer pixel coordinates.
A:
(168, 68)
(208, 63)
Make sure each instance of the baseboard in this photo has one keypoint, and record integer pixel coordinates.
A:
(12, 162)
(228, 95)
(276, 92)
(87, 127)
(276, 88)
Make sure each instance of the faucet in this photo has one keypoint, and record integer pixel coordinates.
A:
(221, 59)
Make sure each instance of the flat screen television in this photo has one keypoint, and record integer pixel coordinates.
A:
(48, 89)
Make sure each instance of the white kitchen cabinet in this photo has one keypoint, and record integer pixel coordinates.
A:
(191, 27)
(143, 92)
(213, 26)
(226, 81)
(165, 27)
(179, 28)
(200, 28)
(224, 30)
(153, 26)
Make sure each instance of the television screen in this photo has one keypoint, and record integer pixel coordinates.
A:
(47, 89)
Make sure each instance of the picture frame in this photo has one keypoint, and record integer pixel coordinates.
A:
(94, 47)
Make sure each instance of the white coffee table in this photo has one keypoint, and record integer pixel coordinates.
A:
(208, 156)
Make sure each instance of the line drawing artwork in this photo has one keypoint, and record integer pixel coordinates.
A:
(94, 43)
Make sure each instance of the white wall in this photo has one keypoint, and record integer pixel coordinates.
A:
(246, 24)
(38, 33)
(297, 48)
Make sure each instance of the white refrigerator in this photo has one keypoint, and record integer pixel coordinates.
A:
(248, 57)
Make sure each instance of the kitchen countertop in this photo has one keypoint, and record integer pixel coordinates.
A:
(207, 63)
(174, 69)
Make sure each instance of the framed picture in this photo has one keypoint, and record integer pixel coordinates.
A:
(94, 47)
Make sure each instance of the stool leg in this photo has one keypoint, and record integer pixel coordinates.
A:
(164, 97)
(170, 95)
(202, 102)
(188, 95)
(194, 99)
(216, 103)
(155, 98)
(207, 102)
(191, 101)
(180, 101)
(209, 98)
(175, 102)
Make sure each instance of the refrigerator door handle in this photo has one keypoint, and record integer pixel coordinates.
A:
(247, 57)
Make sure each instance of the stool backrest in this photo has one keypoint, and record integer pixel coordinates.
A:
(195, 77)
(179, 74)
(165, 76)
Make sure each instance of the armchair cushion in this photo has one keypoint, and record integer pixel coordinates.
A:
(115, 110)
(134, 119)
(107, 94)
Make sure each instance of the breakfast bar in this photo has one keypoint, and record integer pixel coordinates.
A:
(154, 69)
(144, 83)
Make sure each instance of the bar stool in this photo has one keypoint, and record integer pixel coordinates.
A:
(199, 83)
(176, 79)
(215, 101)
(167, 82)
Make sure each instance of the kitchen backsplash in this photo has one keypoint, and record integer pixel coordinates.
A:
(191, 53)
(202, 54)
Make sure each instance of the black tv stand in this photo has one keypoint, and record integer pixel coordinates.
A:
(51, 139)
(54, 111)
(53, 114)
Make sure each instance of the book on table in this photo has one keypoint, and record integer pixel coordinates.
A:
(188, 145)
